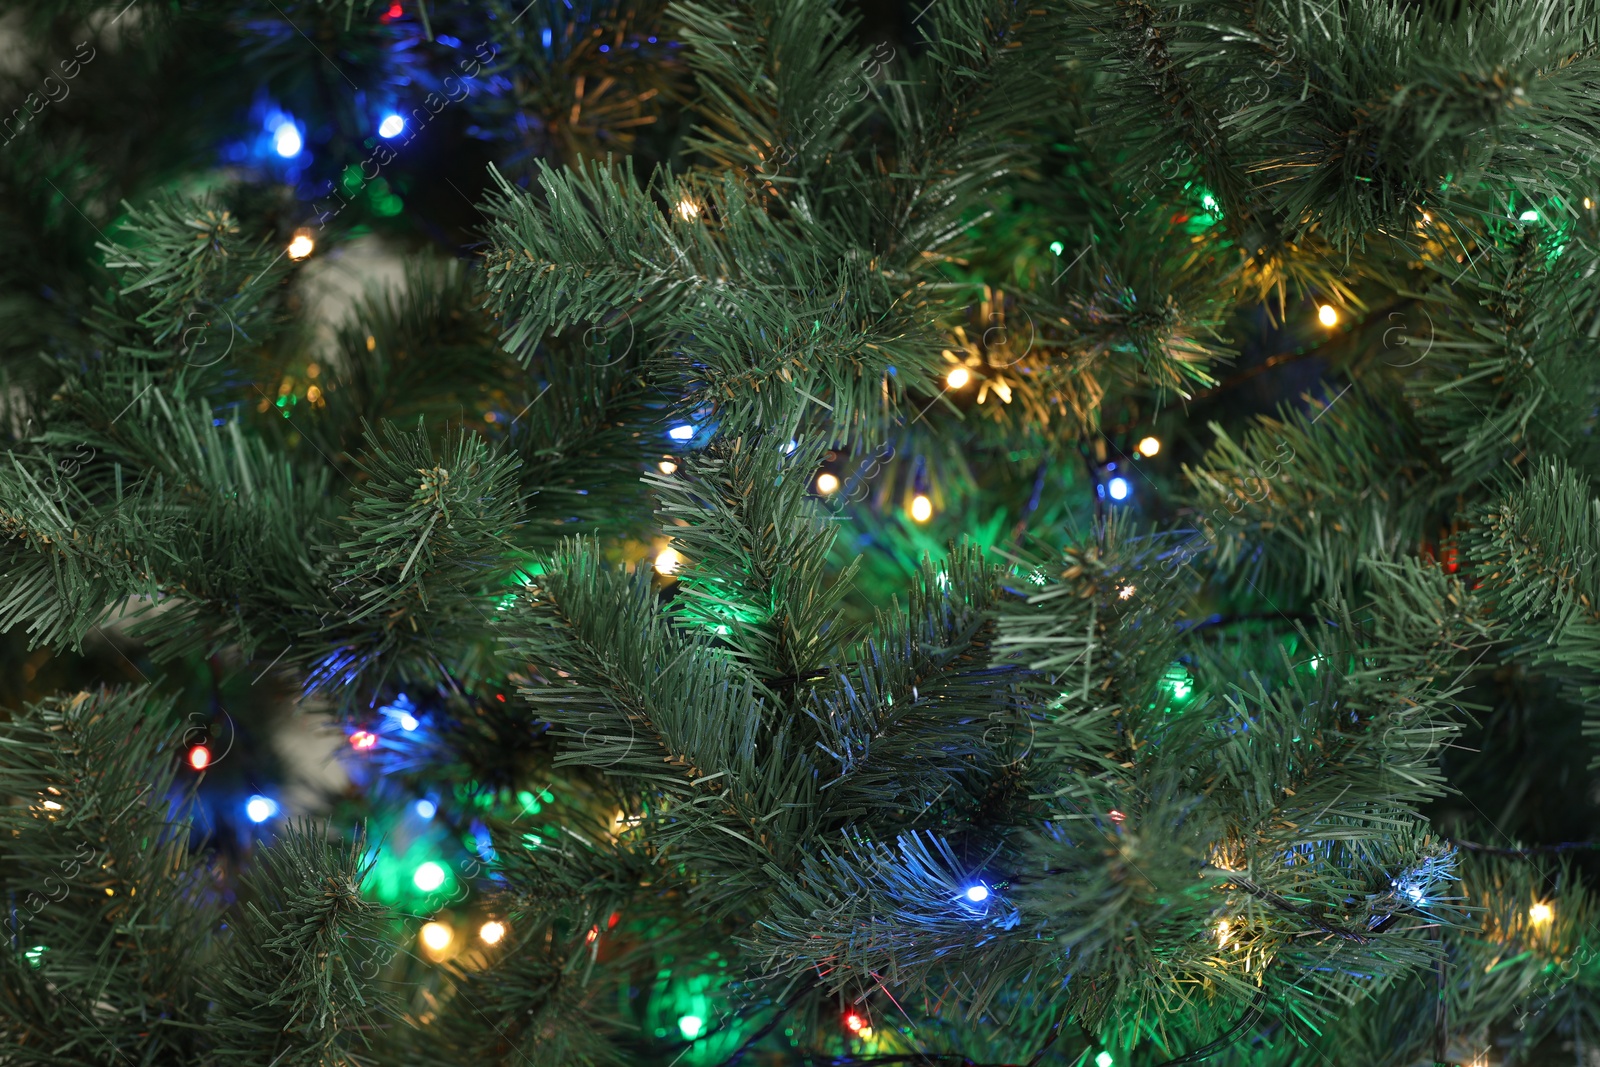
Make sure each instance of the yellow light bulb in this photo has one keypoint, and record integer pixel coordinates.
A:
(958, 377)
(667, 466)
(827, 483)
(1588, 205)
(1222, 933)
(301, 245)
(688, 209)
(1327, 315)
(667, 562)
(492, 932)
(921, 508)
(1541, 914)
(436, 936)
(1149, 446)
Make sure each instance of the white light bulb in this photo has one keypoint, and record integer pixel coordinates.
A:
(426, 808)
(1118, 488)
(681, 433)
(391, 126)
(978, 893)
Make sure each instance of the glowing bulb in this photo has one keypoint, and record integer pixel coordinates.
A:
(408, 721)
(688, 209)
(1222, 933)
(51, 805)
(666, 466)
(854, 1022)
(1126, 591)
(690, 1026)
(1588, 205)
(668, 561)
(681, 433)
(199, 757)
(260, 808)
(437, 936)
(391, 126)
(827, 483)
(428, 877)
(1118, 488)
(865, 1033)
(1149, 446)
(426, 808)
(1540, 913)
(301, 245)
(958, 377)
(978, 893)
(492, 932)
(286, 141)
(363, 740)
(1528, 216)
(1327, 315)
(921, 508)
(1415, 893)
(1103, 1059)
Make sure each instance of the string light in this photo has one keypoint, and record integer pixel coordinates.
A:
(1528, 216)
(1057, 247)
(362, 740)
(1149, 446)
(854, 1022)
(667, 561)
(921, 508)
(958, 377)
(1588, 205)
(681, 433)
(437, 936)
(667, 466)
(1118, 488)
(1104, 1059)
(391, 126)
(978, 893)
(1125, 592)
(426, 809)
(492, 932)
(259, 808)
(301, 245)
(827, 483)
(691, 1026)
(1540, 914)
(286, 140)
(1327, 315)
(408, 721)
(688, 209)
(1222, 934)
(428, 877)
(199, 757)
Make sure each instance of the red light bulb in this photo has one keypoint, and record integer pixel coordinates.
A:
(199, 757)
(853, 1021)
(363, 740)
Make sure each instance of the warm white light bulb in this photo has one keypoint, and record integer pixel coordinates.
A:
(667, 561)
(921, 508)
(437, 936)
(301, 245)
(958, 378)
(1327, 315)
(688, 209)
(666, 466)
(1149, 446)
(827, 483)
(1541, 913)
(492, 932)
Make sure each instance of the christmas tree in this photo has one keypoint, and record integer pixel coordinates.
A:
(755, 532)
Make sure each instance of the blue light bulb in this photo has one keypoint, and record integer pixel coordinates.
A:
(391, 126)
(681, 433)
(259, 808)
(1118, 488)
(978, 893)
(426, 808)
(286, 141)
